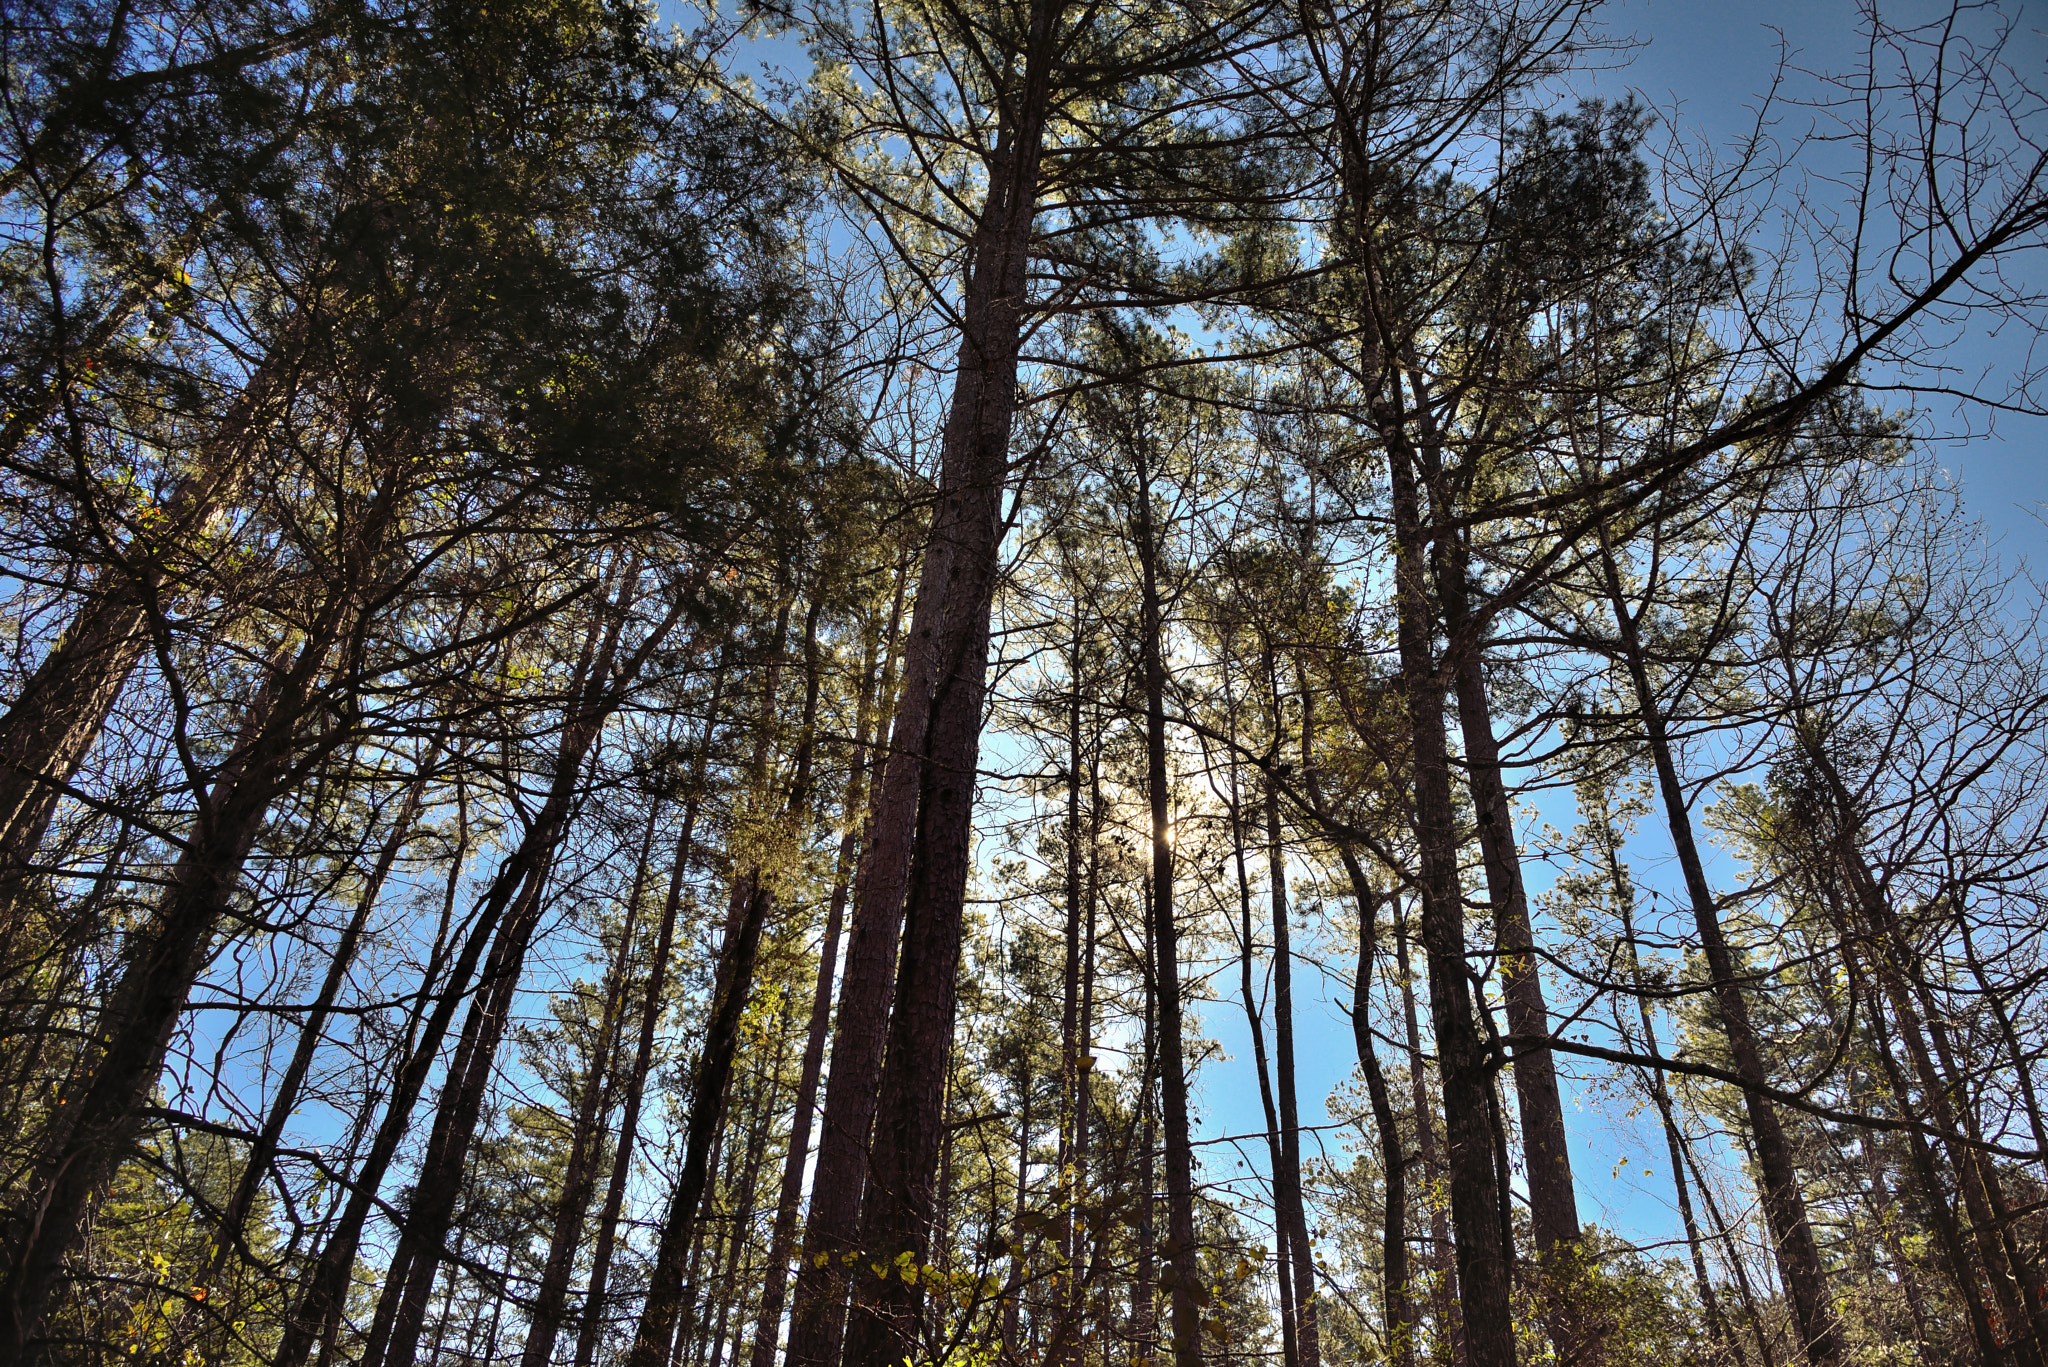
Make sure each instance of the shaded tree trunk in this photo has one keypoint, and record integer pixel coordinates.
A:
(1464, 1059)
(783, 1238)
(934, 775)
(101, 1110)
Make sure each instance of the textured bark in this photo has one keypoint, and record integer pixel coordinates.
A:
(1073, 1083)
(1185, 1289)
(732, 982)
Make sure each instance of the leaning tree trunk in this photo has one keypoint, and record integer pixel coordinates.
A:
(1553, 1204)
(409, 1282)
(50, 727)
(782, 1238)
(643, 1058)
(1400, 1319)
(732, 982)
(102, 1108)
(579, 1175)
(1784, 1203)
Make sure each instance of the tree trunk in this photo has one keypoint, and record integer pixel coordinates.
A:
(1784, 1203)
(935, 778)
(1291, 1209)
(1463, 1057)
(732, 983)
(1445, 1288)
(1282, 1232)
(409, 1283)
(1186, 1289)
(1660, 1094)
(1400, 1319)
(782, 1240)
(650, 1019)
(102, 1108)
(47, 732)
(586, 1137)
(264, 1149)
(1553, 1205)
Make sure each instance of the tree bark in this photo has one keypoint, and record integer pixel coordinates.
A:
(1553, 1205)
(101, 1110)
(48, 730)
(934, 775)
(783, 1238)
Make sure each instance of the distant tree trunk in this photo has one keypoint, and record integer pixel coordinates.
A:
(1072, 1082)
(732, 982)
(586, 1137)
(1660, 1094)
(1784, 1202)
(596, 690)
(740, 1222)
(650, 1019)
(1445, 1290)
(1186, 1288)
(1283, 1235)
(324, 1295)
(1290, 1208)
(1393, 1162)
(1144, 1297)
